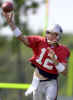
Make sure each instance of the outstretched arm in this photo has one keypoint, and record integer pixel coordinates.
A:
(15, 29)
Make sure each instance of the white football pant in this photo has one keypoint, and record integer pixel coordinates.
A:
(47, 90)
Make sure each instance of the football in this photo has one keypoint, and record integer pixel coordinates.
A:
(7, 7)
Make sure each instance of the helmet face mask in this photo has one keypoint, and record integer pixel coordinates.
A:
(52, 37)
(57, 31)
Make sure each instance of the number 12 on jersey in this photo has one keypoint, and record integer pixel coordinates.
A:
(47, 60)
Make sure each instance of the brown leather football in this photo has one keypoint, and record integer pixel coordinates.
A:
(7, 7)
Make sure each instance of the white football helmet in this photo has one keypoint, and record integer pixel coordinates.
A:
(56, 29)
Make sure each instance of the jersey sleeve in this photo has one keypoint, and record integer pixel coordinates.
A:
(34, 41)
(64, 56)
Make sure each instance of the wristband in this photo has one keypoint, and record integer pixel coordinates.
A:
(17, 32)
(60, 67)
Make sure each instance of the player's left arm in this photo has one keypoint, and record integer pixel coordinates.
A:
(61, 66)
(65, 61)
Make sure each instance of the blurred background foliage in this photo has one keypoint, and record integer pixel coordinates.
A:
(14, 65)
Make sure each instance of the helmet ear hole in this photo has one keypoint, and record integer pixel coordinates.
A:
(59, 36)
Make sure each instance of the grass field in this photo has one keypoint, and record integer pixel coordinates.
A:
(70, 77)
(9, 74)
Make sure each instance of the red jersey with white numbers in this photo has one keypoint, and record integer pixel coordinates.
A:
(41, 56)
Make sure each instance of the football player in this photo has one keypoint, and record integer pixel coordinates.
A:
(49, 59)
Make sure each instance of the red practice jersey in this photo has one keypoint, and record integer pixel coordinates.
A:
(41, 57)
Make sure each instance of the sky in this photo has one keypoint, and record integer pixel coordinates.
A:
(59, 12)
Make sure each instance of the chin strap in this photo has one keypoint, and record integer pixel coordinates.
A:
(51, 42)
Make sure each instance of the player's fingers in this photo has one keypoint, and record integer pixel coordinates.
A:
(51, 51)
(9, 17)
(12, 16)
